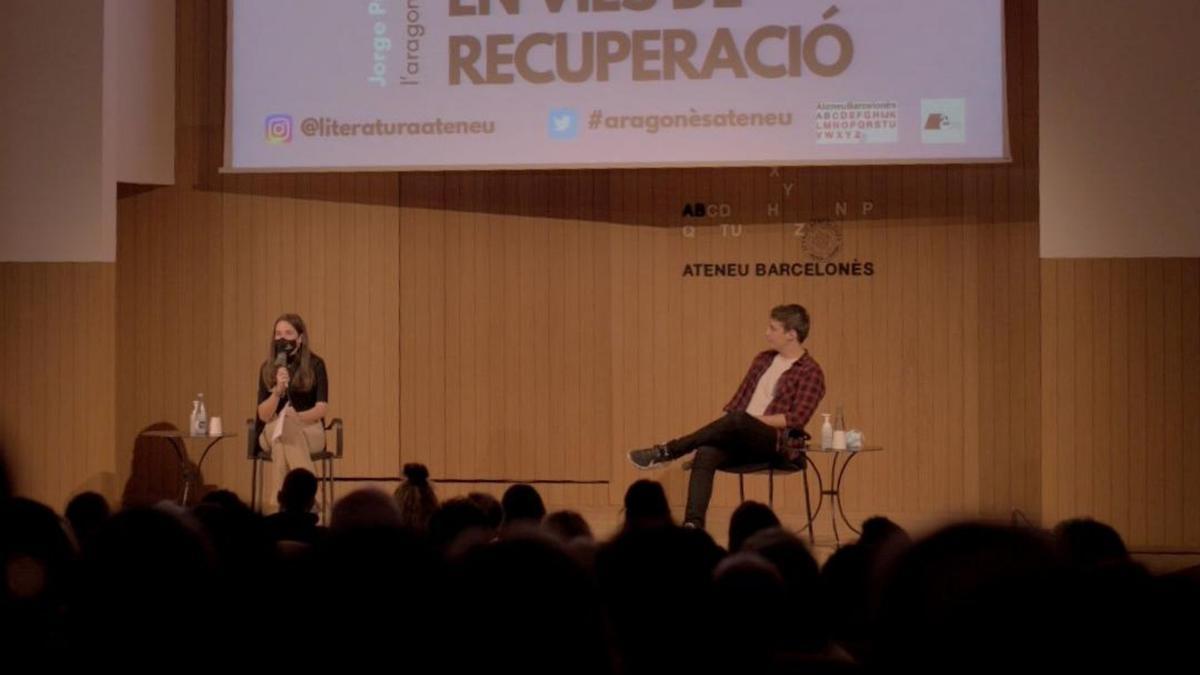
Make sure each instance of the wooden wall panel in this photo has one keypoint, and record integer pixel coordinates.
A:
(1120, 362)
(503, 344)
(56, 410)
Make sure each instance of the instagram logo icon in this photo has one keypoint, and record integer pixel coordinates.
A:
(279, 129)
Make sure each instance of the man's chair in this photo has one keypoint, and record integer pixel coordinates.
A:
(779, 466)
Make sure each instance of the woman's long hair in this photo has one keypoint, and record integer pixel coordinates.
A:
(302, 377)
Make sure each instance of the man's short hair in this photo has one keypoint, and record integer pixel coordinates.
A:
(792, 317)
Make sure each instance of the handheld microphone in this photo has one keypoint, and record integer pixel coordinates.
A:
(281, 358)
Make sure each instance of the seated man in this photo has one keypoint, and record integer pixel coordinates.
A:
(764, 420)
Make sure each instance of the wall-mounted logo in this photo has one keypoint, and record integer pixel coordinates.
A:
(279, 129)
(820, 239)
(944, 120)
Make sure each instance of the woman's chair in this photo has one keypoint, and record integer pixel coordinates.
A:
(323, 459)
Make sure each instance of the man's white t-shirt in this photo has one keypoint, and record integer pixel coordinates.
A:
(765, 390)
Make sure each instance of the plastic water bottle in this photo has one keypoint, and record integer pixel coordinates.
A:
(839, 430)
(201, 417)
(194, 418)
(826, 433)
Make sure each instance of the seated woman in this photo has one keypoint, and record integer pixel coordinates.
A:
(293, 396)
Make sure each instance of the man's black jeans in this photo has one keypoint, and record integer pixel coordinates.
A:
(736, 438)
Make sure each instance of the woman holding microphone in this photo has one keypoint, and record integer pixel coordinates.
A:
(293, 397)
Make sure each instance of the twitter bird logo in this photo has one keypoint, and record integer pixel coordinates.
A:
(563, 124)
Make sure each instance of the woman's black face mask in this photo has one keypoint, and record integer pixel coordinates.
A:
(285, 347)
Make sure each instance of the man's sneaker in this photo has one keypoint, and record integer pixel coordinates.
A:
(651, 458)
